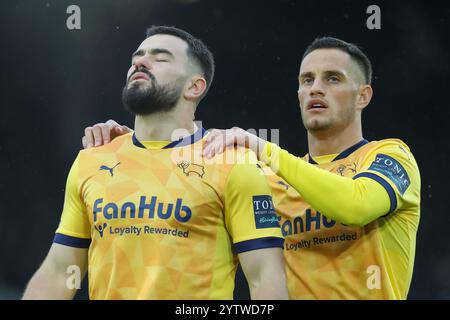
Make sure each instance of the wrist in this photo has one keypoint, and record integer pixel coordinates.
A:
(254, 143)
(261, 146)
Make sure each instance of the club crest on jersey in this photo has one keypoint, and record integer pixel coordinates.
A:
(346, 167)
(286, 186)
(191, 168)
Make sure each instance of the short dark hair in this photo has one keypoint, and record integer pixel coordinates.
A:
(197, 50)
(353, 50)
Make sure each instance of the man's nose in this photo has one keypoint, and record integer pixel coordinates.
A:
(142, 62)
(317, 88)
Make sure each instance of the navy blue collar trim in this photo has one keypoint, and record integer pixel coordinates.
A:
(136, 142)
(311, 160)
(345, 153)
(198, 135)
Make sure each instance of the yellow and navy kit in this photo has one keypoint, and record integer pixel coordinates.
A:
(326, 259)
(161, 223)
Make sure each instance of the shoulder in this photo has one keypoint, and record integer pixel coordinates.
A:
(112, 147)
(391, 146)
(390, 142)
(236, 156)
(90, 160)
(393, 159)
(243, 166)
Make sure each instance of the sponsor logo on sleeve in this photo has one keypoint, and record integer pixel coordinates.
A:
(393, 170)
(264, 211)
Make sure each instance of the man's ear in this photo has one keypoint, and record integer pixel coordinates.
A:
(195, 88)
(364, 96)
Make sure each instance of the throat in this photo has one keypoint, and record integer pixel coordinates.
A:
(153, 128)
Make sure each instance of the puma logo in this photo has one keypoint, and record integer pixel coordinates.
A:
(283, 184)
(111, 170)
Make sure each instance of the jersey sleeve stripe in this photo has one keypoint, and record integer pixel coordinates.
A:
(385, 185)
(71, 241)
(261, 243)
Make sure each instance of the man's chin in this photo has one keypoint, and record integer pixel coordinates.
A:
(141, 84)
(316, 125)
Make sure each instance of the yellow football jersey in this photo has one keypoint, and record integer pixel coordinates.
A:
(328, 260)
(161, 223)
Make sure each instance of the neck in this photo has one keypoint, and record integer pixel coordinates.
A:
(162, 126)
(334, 141)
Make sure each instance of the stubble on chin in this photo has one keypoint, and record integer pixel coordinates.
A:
(317, 125)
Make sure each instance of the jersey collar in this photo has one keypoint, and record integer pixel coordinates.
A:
(196, 136)
(345, 153)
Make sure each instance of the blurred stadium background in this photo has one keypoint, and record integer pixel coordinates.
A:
(55, 82)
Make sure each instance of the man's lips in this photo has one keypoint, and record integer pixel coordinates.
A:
(138, 76)
(316, 105)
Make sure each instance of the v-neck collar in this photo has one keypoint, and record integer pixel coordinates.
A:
(196, 136)
(345, 153)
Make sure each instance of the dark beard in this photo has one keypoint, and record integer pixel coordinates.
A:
(143, 99)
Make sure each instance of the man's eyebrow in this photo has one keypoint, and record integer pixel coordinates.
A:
(334, 72)
(327, 72)
(153, 51)
(159, 50)
(306, 74)
(138, 53)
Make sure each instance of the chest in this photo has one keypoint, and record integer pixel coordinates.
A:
(156, 190)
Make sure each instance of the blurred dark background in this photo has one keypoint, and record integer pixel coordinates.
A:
(55, 82)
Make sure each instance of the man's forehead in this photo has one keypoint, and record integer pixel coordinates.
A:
(321, 60)
(165, 41)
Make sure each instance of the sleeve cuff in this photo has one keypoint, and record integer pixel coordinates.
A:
(261, 243)
(386, 186)
(71, 241)
(266, 153)
(270, 156)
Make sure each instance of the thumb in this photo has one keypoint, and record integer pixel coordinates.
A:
(125, 129)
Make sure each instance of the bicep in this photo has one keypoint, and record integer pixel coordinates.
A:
(50, 281)
(61, 257)
(255, 263)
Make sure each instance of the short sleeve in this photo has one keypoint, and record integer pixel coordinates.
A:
(74, 227)
(250, 216)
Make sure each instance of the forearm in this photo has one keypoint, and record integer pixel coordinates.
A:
(352, 202)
